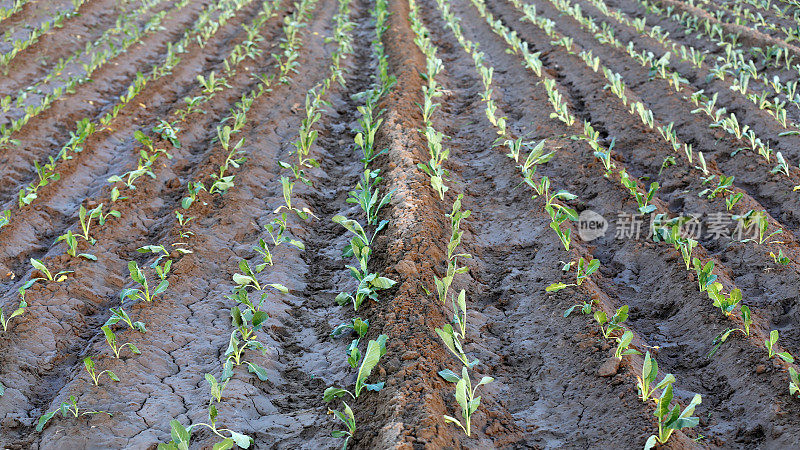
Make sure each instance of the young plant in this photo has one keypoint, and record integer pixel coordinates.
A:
(584, 269)
(643, 199)
(649, 374)
(66, 409)
(671, 419)
(90, 369)
(375, 351)
(111, 339)
(140, 278)
(367, 195)
(369, 283)
(243, 337)
(58, 277)
(72, 246)
(465, 397)
(748, 321)
(216, 387)
(119, 315)
(770, 344)
(17, 312)
(182, 435)
(612, 324)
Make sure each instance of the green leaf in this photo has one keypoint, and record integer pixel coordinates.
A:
(260, 372)
(375, 349)
(44, 419)
(280, 287)
(225, 444)
(241, 440)
(180, 435)
(555, 287)
(449, 375)
(333, 392)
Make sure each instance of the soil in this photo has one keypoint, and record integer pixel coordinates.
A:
(557, 382)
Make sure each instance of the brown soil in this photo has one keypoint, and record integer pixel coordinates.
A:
(550, 391)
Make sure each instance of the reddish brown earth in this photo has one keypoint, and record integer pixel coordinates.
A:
(553, 388)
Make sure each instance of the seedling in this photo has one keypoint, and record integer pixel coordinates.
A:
(558, 213)
(17, 312)
(465, 396)
(610, 325)
(649, 374)
(168, 132)
(794, 382)
(90, 369)
(72, 246)
(193, 189)
(760, 221)
(243, 337)
(367, 195)
(58, 277)
(584, 269)
(375, 351)
(780, 258)
(770, 344)
(724, 302)
(111, 339)
(119, 315)
(140, 278)
(748, 321)
(216, 387)
(182, 435)
(66, 409)
(623, 344)
(643, 199)
(671, 419)
(348, 419)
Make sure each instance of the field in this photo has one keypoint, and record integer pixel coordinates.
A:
(399, 224)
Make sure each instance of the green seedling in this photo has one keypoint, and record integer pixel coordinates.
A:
(558, 213)
(705, 275)
(671, 419)
(367, 195)
(780, 258)
(140, 278)
(216, 387)
(465, 397)
(649, 374)
(181, 436)
(86, 217)
(612, 324)
(349, 420)
(643, 199)
(58, 277)
(90, 369)
(17, 312)
(168, 132)
(375, 351)
(72, 246)
(623, 344)
(748, 321)
(111, 339)
(761, 222)
(66, 409)
(724, 302)
(119, 315)
(794, 382)
(243, 337)
(193, 189)
(584, 269)
(770, 344)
